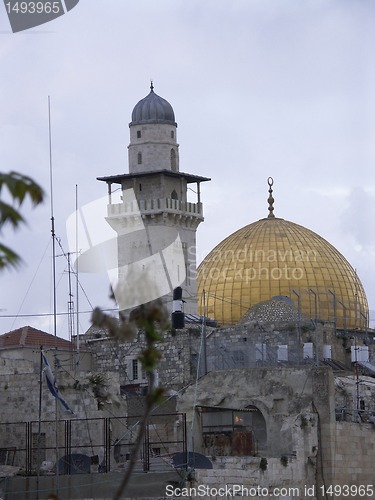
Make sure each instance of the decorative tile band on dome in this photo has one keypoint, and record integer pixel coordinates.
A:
(153, 109)
(278, 309)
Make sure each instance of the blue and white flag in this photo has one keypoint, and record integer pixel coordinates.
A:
(52, 385)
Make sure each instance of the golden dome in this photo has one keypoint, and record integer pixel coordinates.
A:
(275, 257)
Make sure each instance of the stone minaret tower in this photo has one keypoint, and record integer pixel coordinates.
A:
(155, 223)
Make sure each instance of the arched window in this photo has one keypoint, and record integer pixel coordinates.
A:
(174, 195)
(139, 158)
(173, 159)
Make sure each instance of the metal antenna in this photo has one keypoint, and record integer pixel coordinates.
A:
(52, 220)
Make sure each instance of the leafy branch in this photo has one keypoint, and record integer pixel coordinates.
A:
(19, 187)
(152, 319)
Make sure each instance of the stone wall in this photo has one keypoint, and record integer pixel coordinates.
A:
(290, 475)
(284, 396)
(350, 456)
(20, 387)
(15, 358)
(155, 144)
(177, 364)
(19, 409)
(88, 486)
(262, 344)
(353, 393)
(351, 464)
(244, 346)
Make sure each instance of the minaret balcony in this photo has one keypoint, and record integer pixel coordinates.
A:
(154, 206)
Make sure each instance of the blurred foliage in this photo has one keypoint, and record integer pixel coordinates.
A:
(17, 187)
(152, 319)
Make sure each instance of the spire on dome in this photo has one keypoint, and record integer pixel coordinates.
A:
(152, 86)
(270, 198)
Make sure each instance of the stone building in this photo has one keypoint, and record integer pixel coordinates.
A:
(274, 380)
(155, 222)
(26, 402)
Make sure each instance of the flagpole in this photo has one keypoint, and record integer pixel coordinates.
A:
(77, 281)
(53, 388)
(52, 218)
(57, 437)
(39, 421)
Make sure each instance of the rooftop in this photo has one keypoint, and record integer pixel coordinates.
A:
(28, 336)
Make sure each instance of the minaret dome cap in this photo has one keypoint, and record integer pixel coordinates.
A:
(153, 109)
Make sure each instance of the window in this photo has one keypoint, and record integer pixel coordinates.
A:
(139, 158)
(139, 134)
(282, 353)
(187, 271)
(135, 369)
(173, 159)
(233, 432)
(140, 187)
(135, 372)
(172, 134)
(7, 455)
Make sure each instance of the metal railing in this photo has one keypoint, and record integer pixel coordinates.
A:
(91, 444)
(154, 205)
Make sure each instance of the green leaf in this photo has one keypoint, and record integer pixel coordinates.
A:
(9, 215)
(19, 188)
(8, 258)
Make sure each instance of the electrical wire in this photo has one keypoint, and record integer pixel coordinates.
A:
(30, 285)
(41, 315)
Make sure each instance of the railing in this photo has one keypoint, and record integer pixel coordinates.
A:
(355, 415)
(91, 445)
(228, 352)
(154, 205)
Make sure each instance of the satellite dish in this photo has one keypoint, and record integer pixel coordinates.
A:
(75, 463)
(47, 466)
(191, 459)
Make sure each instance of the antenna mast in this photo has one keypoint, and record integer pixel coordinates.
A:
(70, 303)
(52, 220)
(77, 276)
(54, 280)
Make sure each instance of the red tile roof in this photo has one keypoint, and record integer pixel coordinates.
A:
(28, 336)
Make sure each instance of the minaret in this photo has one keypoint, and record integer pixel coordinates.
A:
(155, 223)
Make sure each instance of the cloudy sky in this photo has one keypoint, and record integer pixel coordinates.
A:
(280, 88)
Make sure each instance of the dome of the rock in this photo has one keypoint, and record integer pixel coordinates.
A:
(275, 257)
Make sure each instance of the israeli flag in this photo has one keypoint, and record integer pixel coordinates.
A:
(52, 385)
